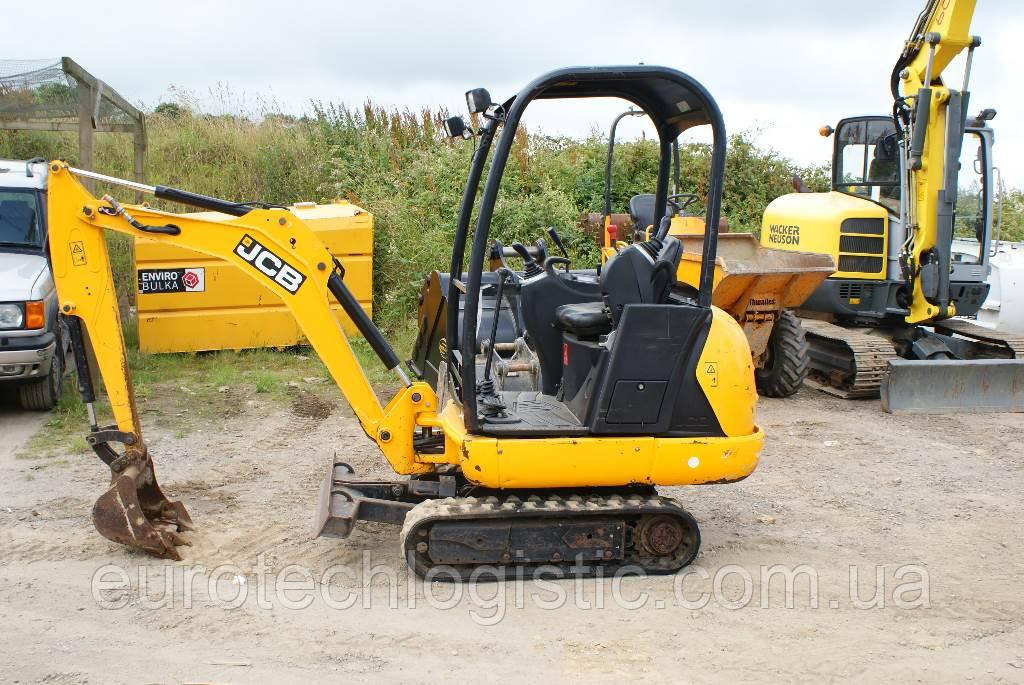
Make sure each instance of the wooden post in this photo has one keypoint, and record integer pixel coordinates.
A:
(139, 140)
(85, 128)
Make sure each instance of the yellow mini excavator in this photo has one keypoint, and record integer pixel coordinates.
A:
(652, 390)
(894, 319)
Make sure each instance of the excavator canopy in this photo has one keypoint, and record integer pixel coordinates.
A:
(674, 101)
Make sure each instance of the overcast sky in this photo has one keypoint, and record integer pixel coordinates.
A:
(783, 67)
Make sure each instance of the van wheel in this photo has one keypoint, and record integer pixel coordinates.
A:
(44, 393)
(787, 360)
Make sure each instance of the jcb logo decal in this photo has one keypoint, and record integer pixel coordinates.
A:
(268, 263)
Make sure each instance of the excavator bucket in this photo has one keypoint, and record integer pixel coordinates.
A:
(950, 385)
(134, 512)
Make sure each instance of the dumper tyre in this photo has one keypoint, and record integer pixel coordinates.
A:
(43, 394)
(787, 359)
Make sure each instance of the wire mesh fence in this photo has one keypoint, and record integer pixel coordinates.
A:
(43, 90)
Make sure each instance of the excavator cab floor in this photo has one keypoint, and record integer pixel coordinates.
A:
(534, 414)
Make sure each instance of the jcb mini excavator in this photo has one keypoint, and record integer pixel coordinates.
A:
(891, 319)
(653, 390)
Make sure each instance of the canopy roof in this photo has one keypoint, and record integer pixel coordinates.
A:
(673, 100)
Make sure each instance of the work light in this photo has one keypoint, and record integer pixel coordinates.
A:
(478, 100)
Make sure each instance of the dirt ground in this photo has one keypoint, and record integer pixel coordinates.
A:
(932, 504)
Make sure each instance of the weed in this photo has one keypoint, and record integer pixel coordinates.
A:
(266, 381)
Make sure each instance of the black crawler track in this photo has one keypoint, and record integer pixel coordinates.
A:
(867, 359)
(630, 514)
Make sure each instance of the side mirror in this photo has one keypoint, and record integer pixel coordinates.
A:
(456, 127)
(478, 100)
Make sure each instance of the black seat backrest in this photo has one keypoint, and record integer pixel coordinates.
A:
(641, 211)
(665, 268)
(642, 273)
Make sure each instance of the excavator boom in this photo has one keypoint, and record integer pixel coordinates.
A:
(933, 117)
(272, 245)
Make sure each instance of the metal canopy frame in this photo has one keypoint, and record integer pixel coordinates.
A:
(91, 91)
(674, 101)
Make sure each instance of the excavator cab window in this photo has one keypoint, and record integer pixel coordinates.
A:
(972, 189)
(866, 160)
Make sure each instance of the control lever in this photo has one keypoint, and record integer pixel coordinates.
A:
(557, 240)
(503, 275)
(542, 251)
(530, 266)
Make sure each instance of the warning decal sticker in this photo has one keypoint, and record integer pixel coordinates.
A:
(78, 253)
(711, 370)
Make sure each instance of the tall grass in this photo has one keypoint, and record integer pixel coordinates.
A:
(396, 164)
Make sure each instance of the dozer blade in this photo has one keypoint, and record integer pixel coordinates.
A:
(134, 512)
(345, 499)
(949, 385)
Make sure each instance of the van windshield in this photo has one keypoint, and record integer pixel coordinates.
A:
(20, 223)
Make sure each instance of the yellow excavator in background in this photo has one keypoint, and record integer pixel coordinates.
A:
(652, 389)
(891, 321)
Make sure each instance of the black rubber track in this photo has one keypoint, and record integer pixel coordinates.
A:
(628, 506)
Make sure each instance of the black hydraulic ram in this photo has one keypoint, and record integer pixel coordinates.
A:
(202, 201)
(334, 283)
(947, 201)
(364, 323)
(83, 372)
(922, 107)
(171, 194)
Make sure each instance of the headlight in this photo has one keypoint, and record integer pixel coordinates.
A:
(11, 316)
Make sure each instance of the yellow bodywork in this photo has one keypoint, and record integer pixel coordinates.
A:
(810, 222)
(230, 311)
(85, 289)
(726, 375)
(687, 225)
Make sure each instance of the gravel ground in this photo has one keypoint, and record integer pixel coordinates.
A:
(925, 510)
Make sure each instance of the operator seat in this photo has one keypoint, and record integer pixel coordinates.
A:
(642, 273)
(641, 212)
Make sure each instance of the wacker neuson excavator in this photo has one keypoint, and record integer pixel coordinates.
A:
(891, 320)
(639, 387)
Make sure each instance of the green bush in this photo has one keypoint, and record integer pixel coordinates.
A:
(1013, 215)
(396, 164)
